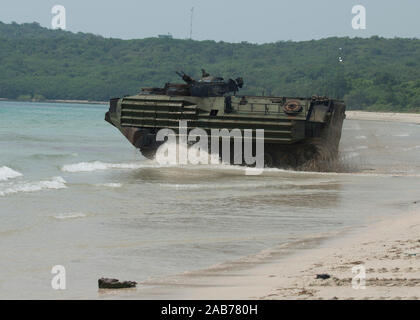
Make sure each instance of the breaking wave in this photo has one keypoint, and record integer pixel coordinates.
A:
(98, 165)
(7, 173)
(254, 185)
(54, 183)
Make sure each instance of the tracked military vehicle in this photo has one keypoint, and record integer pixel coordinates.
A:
(299, 133)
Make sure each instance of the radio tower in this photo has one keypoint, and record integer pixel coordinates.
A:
(191, 22)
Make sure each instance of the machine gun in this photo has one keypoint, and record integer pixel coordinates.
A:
(185, 77)
(209, 86)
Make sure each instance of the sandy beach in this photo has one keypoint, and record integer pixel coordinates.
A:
(389, 252)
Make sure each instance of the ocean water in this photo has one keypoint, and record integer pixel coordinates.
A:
(74, 192)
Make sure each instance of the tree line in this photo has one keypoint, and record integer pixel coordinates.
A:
(374, 73)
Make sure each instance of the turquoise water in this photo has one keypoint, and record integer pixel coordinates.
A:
(35, 132)
(74, 192)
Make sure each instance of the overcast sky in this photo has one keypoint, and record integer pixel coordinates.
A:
(256, 21)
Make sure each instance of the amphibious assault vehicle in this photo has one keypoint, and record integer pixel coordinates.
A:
(300, 133)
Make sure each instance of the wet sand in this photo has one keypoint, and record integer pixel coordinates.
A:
(388, 250)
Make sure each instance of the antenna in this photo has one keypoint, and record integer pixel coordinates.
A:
(191, 22)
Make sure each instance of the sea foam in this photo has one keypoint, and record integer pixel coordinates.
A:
(6, 173)
(54, 183)
(98, 165)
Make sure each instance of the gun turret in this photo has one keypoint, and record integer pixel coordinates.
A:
(207, 86)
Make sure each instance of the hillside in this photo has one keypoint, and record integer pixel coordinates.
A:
(376, 73)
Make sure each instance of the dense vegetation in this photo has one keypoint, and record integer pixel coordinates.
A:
(375, 74)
